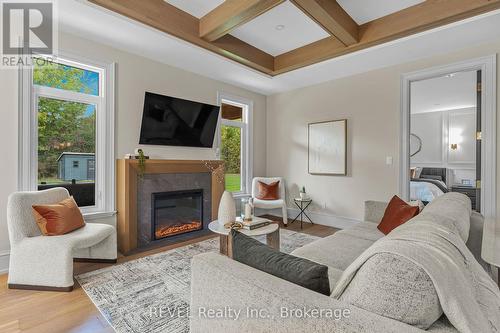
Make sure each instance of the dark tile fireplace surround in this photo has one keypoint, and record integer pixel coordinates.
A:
(172, 207)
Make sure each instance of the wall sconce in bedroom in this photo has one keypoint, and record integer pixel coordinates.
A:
(454, 146)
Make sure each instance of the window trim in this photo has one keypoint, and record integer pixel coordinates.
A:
(105, 145)
(247, 145)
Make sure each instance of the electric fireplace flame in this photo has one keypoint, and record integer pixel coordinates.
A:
(176, 212)
(171, 230)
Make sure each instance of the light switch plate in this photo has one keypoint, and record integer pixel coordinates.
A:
(388, 160)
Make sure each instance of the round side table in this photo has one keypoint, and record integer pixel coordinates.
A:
(272, 232)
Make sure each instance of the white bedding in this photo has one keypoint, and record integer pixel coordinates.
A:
(424, 191)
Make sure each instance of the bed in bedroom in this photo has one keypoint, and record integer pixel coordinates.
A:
(427, 184)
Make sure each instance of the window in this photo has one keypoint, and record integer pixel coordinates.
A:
(234, 143)
(68, 113)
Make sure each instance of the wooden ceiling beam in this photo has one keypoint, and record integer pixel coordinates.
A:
(173, 21)
(424, 16)
(230, 15)
(332, 17)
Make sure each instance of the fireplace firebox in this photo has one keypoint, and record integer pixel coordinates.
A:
(176, 212)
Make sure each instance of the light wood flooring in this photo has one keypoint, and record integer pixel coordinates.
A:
(54, 312)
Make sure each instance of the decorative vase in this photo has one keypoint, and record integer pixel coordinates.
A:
(227, 209)
(303, 195)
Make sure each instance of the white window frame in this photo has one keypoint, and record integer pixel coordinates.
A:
(246, 126)
(105, 113)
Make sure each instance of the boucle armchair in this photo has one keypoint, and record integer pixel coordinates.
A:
(40, 262)
(270, 204)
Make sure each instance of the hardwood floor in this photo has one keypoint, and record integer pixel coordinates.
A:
(54, 312)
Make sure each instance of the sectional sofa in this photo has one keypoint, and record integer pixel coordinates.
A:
(388, 293)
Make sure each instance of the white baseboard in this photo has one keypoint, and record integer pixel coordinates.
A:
(338, 222)
(4, 261)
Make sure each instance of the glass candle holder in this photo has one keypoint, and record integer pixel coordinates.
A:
(246, 209)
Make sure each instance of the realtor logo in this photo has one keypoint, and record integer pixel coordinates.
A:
(28, 28)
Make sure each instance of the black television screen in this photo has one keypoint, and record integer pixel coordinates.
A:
(171, 121)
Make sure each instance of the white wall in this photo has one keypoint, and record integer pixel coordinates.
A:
(134, 76)
(438, 130)
(371, 103)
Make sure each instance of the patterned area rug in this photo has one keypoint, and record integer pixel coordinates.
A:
(131, 294)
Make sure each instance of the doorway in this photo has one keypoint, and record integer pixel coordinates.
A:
(447, 133)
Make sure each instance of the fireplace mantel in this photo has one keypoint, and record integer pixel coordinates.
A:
(127, 173)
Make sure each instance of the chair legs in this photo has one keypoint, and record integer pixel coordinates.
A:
(285, 216)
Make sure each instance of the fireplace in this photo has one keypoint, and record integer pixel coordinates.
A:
(176, 212)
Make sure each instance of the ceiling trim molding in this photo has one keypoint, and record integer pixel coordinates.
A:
(230, 15)
(425, 16)
(332, 17)
(167, 18)
(421, 17)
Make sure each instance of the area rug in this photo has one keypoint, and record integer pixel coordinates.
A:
(131, 295)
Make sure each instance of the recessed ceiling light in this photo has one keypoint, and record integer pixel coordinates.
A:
(451, 75)
(279, 27)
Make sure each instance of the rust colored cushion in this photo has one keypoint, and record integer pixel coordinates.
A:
(58, 219)
(396, 213)
(269, 191)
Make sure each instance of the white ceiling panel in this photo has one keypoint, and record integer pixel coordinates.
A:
(363, 11)
(450, 92)
(297, 30)
(111, 30)
(198, 8)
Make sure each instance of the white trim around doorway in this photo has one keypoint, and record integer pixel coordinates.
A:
(488, 123)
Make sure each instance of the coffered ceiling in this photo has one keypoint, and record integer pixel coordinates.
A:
(278, 36)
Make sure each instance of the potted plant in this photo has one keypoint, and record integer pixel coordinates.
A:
(303, 194)
(142, 163)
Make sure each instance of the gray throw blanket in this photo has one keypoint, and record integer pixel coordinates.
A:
(469, 297)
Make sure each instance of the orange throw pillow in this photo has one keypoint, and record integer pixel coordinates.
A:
(269, 191)
(58, 219)
(396, 213)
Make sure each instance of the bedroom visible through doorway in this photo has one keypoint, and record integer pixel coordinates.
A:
(445, 141)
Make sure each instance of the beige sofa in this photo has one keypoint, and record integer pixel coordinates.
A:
(270, 304)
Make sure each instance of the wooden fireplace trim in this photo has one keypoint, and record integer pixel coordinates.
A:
(126, 191)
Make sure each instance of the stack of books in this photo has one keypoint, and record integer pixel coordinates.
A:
(255, 223)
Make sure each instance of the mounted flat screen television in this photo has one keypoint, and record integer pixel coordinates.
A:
(170, 121)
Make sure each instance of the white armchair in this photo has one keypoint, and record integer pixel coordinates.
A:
(40, 262)
(270, 204)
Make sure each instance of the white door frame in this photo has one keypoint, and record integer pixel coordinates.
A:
(488, 123)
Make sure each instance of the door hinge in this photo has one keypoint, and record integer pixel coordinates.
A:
(479, 135)
(478, 184)
(479, 87)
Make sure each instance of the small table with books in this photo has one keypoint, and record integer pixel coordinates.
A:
(271, 230)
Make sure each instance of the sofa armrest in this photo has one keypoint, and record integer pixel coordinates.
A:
(227, 296)
(374, 211)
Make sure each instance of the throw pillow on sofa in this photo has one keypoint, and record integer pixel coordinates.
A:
(397, 213)
(58, 219)
(394, 287)
(303, 272)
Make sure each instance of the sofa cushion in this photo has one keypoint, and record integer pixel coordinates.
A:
(363, 230)
(338, 250)
(396, 213)
(303, 272)
(452, 211)
(394, 287)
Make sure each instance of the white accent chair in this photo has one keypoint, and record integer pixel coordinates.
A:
(40, 262)
(270, 204)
